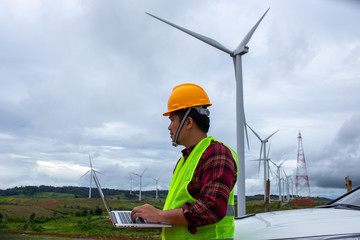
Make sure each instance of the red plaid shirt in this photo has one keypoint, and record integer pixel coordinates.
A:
(212, 182)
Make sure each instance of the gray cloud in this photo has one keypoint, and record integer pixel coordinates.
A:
(79, 77)
(340, 158)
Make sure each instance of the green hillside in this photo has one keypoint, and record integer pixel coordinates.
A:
(51, 210)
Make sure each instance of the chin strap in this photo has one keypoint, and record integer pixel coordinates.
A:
(174, 143)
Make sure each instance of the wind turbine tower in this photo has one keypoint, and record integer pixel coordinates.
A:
(140, 176)
(240, 112)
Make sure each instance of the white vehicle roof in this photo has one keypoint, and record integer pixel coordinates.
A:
(298, 223)
(339, 219)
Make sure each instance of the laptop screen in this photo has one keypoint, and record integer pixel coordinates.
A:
(100, 192)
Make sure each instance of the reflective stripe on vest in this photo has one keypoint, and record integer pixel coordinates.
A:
(178, 195)
(230, 211)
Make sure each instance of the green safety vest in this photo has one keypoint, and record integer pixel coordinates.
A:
(178, 195)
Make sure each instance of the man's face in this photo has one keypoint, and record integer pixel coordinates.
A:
(174, 124)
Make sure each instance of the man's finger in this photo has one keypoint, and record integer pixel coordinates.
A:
(134, 216)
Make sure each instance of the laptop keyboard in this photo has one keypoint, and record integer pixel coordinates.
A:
(125, 218)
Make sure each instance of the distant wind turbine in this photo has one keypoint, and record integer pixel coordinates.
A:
(278, 175)
(156, 184)
(131, 182)
(292, 188)
(287, 183)
(91, 174)
(140, 176)
(240, 112)
(263, 157)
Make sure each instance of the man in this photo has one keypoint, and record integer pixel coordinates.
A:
(200, 202)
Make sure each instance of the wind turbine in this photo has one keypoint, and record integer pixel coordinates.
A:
(156, 183)
(287, 182)
(240, 112)
(131, 182)
(278, 176)
(91, 174)
(292, 188)
(263, 157)
(140, 176)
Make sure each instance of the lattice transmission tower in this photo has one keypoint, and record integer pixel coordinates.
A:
(302, 186)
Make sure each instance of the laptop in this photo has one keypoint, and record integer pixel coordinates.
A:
(122, 219)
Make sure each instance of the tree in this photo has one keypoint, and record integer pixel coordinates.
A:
(32, 217)
(98, 211)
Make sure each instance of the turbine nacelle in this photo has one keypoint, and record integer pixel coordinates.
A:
(240, 51)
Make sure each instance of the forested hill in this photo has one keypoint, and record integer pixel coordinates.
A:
(83, 192)
(76, 191)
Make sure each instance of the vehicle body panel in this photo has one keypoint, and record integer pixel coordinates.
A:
(298, 223)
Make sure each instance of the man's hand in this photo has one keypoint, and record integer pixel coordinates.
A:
(154, 215)
(147, 212)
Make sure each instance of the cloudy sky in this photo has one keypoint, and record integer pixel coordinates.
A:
(82, 78)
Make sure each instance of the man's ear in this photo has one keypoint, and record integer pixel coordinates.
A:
(189, 123)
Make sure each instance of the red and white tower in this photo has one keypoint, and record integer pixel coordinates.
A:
(302, 186)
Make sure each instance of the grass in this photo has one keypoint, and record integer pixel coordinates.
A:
(63, 214)
(55, 213)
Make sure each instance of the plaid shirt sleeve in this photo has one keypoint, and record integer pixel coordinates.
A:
(212, 182)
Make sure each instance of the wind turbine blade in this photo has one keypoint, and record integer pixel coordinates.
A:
(246, 133)
(268, 165)
(273, 162)
(203, 38)
(143, 171)
(282, 162)
(254, 133)
(271, 135)
(86, 173)
(259, 160)
(98, 172)
(259, 166)
(248, 36)
(136, 174)
(267, 156)
(273, 173)
(234, 62)
(256, 160)
(284, 173)
(90, 161)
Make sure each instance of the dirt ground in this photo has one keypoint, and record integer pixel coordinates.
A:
(77, 236)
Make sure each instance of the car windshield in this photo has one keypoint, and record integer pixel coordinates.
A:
(353, 198)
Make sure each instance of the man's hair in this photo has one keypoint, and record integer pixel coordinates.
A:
(202, 121)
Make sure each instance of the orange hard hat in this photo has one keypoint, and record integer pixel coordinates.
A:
(187, 95)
